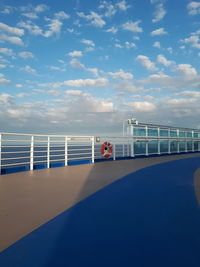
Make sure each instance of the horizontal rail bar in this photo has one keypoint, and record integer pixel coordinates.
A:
(15, 164)
(15, 152)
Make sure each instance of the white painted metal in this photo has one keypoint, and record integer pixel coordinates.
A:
(48, 151)
(32, 153)
(0, 152)
(66, 151)
(93, 140)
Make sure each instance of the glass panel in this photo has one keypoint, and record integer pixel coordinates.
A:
(189, 145)
(153, 147)
(139, 131)
(173, 146)
(140, 148)
(181, 134)
(195, 135)
(182, 146)
(152, 132)
(196, 145)
(173, 133)
(163, 133)
(163, 146)
(189, 134)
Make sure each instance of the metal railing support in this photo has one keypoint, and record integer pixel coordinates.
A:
(93, 150)
(0, 151)
(48, 152)
(158, 147)
(132, 149)
(169, 143)
(147, 148)
(66, 151)
(32, 153)
(186, 146)
(114, 152)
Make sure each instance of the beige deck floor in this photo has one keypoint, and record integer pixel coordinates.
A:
(30, 199)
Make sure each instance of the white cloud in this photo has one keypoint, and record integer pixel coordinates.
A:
(110, 9)
(143, 106)
(159, 13)
(193, 40)
(3, 80)
(157, 45)
(62, 15)
(121, 75)
(112, 30)
(193, 94)
(160, 31)
(54, 28)
(26, 55)
(95, 19)
(193, 8)
(32, 28)
(75, 54)
(100, 82)
(146, 62)
(187, 70)
(162, 60)
(30, 70)
(6, 51)
(76, 63)
(40, 8)
(132, 26)
(5, 99)
(11, 39)
(118, 46)
(7, 10)
(94, 71)
(123, 5)
(11, 30)
(129, 45)
(57, 68)
(30, 15)
(18, 85)
(88, 42)
(73, 92)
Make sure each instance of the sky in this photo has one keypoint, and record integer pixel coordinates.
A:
(84, 66)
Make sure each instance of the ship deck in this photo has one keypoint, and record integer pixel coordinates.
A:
(29, 200)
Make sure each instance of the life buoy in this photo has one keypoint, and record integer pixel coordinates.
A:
(106, 150)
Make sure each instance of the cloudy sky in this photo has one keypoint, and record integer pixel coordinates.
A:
(83, 66)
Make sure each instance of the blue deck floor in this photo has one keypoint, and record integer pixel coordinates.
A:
(149, 218)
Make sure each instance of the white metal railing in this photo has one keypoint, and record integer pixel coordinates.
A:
(35, 151)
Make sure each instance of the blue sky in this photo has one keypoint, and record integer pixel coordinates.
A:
(82, 67)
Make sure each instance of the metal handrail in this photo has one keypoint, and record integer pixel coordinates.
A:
(72, 148)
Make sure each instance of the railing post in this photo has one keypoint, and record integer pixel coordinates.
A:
(192, 141)
(92, 149)
(147, 148)
(132, 149)
(0, 150)
(158, 141)
(169, 143)
(114, 156)
(66, 151)
(32, 153)
(48, 152)
(186, 150)
(127, 148)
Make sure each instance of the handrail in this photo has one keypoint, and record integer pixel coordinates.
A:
(85, 148)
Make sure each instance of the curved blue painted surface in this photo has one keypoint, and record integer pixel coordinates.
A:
(149, 218)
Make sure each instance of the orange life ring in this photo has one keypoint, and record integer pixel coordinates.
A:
(106, 150)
